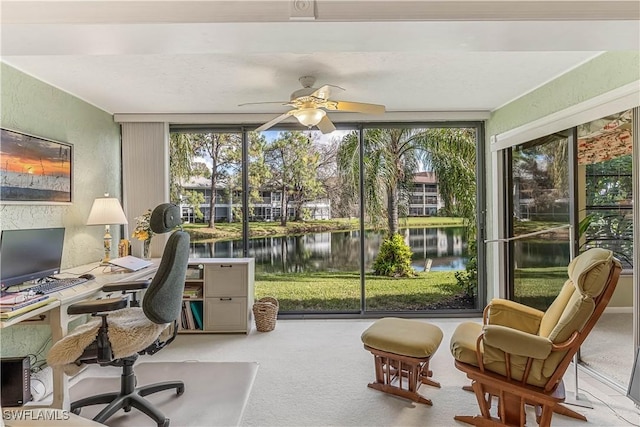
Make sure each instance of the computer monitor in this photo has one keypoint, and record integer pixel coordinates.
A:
(29, 254)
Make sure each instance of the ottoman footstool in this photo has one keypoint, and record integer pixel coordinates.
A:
(401, 349)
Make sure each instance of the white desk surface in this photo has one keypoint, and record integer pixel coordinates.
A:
(104, 275)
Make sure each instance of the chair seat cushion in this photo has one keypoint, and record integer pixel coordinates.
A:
(406, 337)
(129, 332)
(463, 342)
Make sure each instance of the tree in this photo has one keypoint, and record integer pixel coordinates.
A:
(194, 199)
(451, 154)
(224, 150)
(393, 155)
(292, 163)
(181, 156)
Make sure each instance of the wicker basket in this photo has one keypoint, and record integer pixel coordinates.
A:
(265, 312)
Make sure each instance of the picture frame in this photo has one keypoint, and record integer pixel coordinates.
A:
(34, 170)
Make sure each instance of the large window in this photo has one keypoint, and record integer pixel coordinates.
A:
(317, 234)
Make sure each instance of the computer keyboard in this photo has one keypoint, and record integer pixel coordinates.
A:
(57, 285)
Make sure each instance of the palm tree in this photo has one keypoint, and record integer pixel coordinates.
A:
(393, 155)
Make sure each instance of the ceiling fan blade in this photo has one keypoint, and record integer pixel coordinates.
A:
(274, 121)
(356, 107)
(267, 102)
(325, 125)
(324, 92)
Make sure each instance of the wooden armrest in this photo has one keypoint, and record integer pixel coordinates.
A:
(97, 305)
(134, 285)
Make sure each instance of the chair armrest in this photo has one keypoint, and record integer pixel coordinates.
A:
(514, 315)
(133, 285)
(97, 305)
(516, 342)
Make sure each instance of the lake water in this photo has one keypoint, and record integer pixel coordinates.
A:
(340, 251)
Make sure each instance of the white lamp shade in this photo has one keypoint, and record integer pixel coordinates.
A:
(105, 211)
(309, 116)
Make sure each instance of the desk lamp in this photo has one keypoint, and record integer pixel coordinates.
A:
(106, 211)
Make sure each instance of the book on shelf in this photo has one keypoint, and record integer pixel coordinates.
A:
(17, 300)
(196, 310)
(9, 314)
(192, 291)
(189, 314)
(183, 321)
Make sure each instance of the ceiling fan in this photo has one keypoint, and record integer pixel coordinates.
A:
(309, 102)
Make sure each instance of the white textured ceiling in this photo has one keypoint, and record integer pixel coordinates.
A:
(166, 57)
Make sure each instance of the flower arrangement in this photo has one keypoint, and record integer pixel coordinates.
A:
(143, 228)
(143, 232)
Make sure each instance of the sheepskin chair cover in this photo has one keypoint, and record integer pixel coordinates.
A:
(130, 331)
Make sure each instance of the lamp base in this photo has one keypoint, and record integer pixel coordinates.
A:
(107, 246)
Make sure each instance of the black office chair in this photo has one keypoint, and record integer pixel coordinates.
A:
(124, 332)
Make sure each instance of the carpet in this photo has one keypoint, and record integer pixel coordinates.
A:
(215, 392)
(609, 347)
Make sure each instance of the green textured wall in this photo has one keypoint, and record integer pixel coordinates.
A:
(602, 74)
(34, 107)
(596, 77)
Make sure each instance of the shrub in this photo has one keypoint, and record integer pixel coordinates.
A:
(468, 280)
(394, 258)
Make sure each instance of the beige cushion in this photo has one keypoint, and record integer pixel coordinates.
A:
(514, 315)
(589, 271)
(555, 310)
(463, 342)
(406, 337)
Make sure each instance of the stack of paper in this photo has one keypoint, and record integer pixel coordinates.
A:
(15, 303)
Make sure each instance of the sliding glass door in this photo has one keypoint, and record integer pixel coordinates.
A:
(581, 180)
(540, 220)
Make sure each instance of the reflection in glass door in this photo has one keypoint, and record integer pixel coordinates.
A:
(540, 201)
(605, 167)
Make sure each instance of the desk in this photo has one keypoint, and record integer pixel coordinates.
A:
(55, 313)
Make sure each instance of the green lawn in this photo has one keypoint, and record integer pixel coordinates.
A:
(538, 287)
(324, 291)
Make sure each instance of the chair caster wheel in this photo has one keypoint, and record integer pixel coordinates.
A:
(127, 409)
(165, 423)
(76, 411)
(180, 390)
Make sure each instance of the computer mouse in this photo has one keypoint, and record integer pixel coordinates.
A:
(87, 276)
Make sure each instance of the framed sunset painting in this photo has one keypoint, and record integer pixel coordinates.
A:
(34, 170)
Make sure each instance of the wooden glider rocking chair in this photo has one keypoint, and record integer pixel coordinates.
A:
(520, 354)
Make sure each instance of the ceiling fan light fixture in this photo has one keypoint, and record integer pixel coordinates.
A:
(309, 116)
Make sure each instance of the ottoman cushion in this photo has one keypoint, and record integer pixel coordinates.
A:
(407, 337)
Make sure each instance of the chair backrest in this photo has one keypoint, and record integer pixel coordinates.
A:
(162, 301)
(593, 276)
(569, 312)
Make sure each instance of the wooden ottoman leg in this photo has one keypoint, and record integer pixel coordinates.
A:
(390, 367)
(426, 374)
